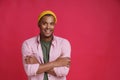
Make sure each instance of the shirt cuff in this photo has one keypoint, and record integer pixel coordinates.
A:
(61, 71)
(31, 69)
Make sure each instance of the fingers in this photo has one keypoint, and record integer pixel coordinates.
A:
(64, 61)
(68, 63)
(68, 66)
(27, 59)
(31, 60)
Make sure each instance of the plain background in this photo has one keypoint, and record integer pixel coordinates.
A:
(92, 27)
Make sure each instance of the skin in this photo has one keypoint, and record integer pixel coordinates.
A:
(47, 25)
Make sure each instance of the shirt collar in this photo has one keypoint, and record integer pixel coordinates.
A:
(53, 41)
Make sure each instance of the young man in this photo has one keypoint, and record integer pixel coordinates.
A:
(46, 56)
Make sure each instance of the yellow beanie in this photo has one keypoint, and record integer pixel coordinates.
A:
(47, 12)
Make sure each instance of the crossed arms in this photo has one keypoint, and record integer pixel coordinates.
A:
(58, 67)
(48, 67)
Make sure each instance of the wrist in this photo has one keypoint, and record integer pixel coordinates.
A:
(54, 64)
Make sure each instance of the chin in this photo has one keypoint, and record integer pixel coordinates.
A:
(48, 36)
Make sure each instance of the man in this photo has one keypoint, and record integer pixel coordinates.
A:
(46, 56)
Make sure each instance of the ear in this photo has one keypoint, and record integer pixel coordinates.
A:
(39, 24)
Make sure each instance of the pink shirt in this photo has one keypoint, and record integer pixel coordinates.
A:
(59, 46)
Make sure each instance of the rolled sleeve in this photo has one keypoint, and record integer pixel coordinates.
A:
(30, 69)
(66, 52)
(61, 71)
(66, 49)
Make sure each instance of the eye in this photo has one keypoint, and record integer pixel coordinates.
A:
(52, 23)
(44, 23)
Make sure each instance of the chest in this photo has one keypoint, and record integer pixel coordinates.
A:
(54, 52)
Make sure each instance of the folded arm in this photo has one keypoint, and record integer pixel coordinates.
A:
(59, 67)
(48, 67)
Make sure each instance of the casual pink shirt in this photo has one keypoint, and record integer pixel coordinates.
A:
(59, 46)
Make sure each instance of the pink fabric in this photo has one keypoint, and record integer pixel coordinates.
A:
(59, 46)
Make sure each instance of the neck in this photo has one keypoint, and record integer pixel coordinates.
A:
(46, 39)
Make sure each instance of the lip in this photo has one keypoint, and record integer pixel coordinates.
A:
(47, 31)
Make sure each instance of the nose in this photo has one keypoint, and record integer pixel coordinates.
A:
(48, 26)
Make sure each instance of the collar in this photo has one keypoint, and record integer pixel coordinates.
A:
(53, 41)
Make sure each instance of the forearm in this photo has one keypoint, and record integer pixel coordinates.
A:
(52, 72)
(60, 62)
(45, 67)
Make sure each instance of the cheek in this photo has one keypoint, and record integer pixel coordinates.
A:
(52, 27)
(42, 27)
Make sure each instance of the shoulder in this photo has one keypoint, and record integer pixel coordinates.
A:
(65, 45)
(61, 39)
(31, 40)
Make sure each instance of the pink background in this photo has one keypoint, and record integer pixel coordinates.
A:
(92, 27)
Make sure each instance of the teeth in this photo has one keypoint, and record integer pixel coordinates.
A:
(47, 31)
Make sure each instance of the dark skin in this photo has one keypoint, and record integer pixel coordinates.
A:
(46, 25)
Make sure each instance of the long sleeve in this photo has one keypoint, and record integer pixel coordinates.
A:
(66, 52)
(30, 69)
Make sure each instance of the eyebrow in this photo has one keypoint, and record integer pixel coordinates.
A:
(46, 21)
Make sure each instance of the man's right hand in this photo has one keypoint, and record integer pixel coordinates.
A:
(64, 61)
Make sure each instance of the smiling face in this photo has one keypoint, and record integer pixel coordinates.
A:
(46, 25)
